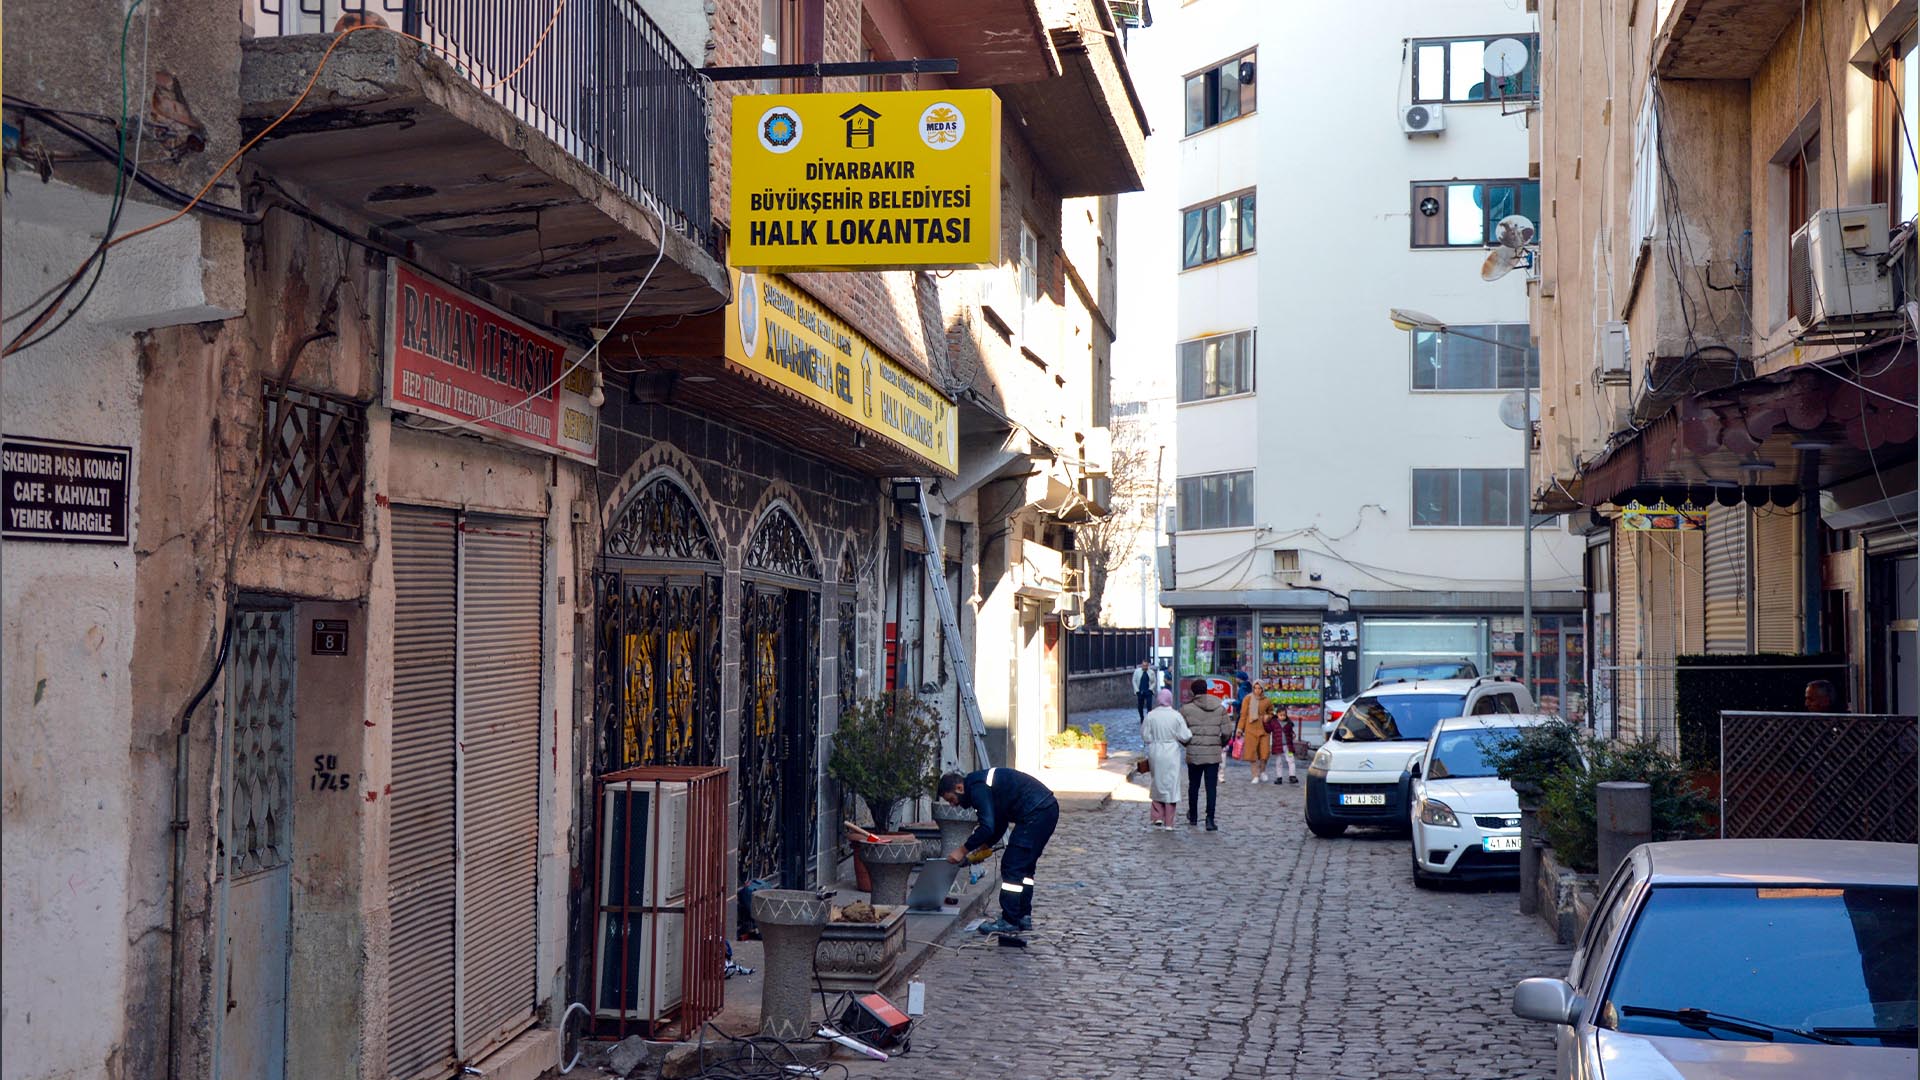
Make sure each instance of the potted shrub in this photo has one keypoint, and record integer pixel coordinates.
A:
(1072, 749)
(1569, 801)
(1098, 732)
(860, 947)
(886, 750)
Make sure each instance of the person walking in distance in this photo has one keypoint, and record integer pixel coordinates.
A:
(1005, 799)
(1819, 697)
(1166, 735)
(1255, 740)
(1143, 688)
(1209, 722)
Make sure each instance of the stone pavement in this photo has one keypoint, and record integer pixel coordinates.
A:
(1256, 951)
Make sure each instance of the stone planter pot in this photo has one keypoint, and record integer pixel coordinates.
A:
(861, 956)
(1099, 752)
(929, 836)
(890, 864)
(862, 876)
(1062, 757)
(956, 824)
(1567, 897)
(790, 921)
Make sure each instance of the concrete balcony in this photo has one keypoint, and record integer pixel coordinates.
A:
(1040, 573)
(560, 182)
(1719, 39)
(1087, 127)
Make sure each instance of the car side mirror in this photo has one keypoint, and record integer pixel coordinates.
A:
(1413, 770)
(1551, 1000)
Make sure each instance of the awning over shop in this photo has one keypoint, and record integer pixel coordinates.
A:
(779, 360)
(1248, 599)
(1857, 410)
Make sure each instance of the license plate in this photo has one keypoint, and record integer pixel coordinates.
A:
(1500, 843)
(1363, 800)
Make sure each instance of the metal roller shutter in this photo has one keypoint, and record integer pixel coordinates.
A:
(1728, 611)
(421, 843)
(1776, 580)
(500, 660)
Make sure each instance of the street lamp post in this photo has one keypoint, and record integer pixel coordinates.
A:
(1144, 560)
(1406, 319)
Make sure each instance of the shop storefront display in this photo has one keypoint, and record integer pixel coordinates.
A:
(1291, 665)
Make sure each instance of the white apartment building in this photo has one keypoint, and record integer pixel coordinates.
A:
(1349, 498)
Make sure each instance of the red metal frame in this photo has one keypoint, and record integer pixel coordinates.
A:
(703, 957)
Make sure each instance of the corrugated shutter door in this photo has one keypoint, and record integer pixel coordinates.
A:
(1726, 579)
(420, 814)
(1776, 580)
(500, 583)
(1628, 596)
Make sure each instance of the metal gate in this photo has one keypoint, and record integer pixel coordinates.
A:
(657, 642)
(464, 816)
(256, 837)
(779, 707)
(1819, 776)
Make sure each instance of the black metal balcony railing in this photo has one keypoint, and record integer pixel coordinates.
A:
(605, 84)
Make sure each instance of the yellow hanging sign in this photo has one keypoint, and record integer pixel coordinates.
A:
(890, 179)
(781, 334)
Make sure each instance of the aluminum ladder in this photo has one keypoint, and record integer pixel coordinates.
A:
(950, 622)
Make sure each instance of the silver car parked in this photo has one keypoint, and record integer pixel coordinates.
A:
(1728, 959)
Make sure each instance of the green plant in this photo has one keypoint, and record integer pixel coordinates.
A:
(1527, 756)
(1098, 731)
(885, 750)
(1568, 808)
(1071, 739)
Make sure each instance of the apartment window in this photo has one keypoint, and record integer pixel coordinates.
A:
(783, 38)
(1218, 501)
(1220, 93)
(1470, 497)
(1217, 230)
(1453, 361)
(1454, 70)
(1803, 183)
(1463, 213)
(1896, 126)
(1029, 275)
(1216, 366)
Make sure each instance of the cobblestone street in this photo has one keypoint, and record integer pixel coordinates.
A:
(1256, 951)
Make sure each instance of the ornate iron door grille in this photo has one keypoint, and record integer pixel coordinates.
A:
(258, 784)
(779, 706)
(657, 663)
(763, 625)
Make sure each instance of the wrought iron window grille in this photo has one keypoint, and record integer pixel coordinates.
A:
(315, 448)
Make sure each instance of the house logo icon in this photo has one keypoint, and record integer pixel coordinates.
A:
(860, 129)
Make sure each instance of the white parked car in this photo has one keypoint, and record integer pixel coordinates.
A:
(1465, 820)
(1336, 708)
(1359, 776)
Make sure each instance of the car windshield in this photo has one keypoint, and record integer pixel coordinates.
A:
(1462, 755)
(1387, 717)
(1793, 963)
(1449, 669)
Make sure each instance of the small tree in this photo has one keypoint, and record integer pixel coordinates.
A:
(1108, 542)
(887, 749)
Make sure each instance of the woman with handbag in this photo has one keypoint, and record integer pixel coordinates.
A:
(1166, 734)
(1255, 742)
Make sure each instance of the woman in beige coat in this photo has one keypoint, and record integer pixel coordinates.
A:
(1256, 743)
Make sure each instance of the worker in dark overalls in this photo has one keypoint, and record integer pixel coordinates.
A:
(1005, 799)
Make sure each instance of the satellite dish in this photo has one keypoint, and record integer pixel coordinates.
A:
(1502, 261)
(1514, 231)
(1505, 58)
(1515, 404)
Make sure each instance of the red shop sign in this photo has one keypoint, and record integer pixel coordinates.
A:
(453, 358)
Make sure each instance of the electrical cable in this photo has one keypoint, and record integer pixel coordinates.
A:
(109, 240)
(592, 350)
(97, 259)
(51, 118)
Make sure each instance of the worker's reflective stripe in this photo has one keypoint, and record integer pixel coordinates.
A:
(1028, 882)
(1008, 886)
(990, 773)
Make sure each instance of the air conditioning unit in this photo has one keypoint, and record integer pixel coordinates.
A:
(1616, 361)
(1834, 271)
(1423, 120)
(640, 950)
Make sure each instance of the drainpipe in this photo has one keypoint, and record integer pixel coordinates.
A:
(181, 755)
(1812, 560)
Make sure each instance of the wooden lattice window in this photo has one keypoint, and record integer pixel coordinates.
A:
(316, 464)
